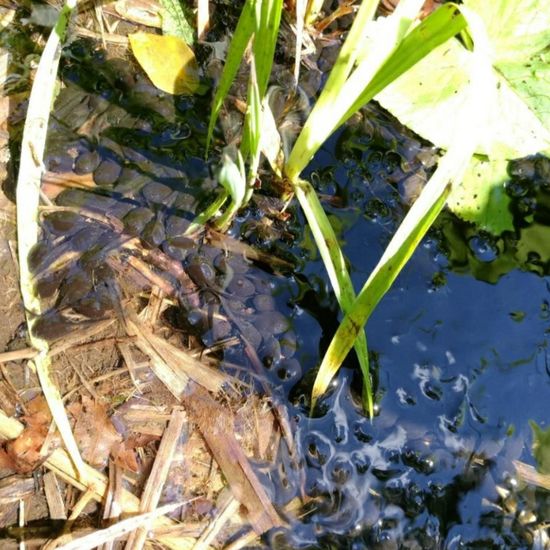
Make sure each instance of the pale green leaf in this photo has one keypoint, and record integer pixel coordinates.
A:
(477, 202)
(175, 20)
(430, 99)
(516, 29)
(232, 178)
(531, 81)
(541, 447)
(389, 59)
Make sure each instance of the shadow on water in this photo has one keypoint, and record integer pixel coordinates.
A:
(459, 345)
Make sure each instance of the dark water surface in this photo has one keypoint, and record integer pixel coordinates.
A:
(458, 346)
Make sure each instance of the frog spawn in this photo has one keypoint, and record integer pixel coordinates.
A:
(366, 485)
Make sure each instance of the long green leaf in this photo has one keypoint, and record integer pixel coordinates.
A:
(334, 261)
(267, 29)
(375, 288)
(367, 79)
(437, 28)
(419, 219)
(241, 38)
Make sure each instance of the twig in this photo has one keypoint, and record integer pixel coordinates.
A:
(157, 477)
(118, 529)
(53, 497)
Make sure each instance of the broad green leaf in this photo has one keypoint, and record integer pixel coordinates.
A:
(516, 29)
(241, 38)
(430, 99)
(482, 204)
(531, 81)
(178, 73)
(175, 20)
(541, 447)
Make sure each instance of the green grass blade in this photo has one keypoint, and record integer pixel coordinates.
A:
(268, 21)
(368, 79)
(243, 33)
(334, 261)
(207, 214)
(349, 52)
(423, 213)
(403, 244)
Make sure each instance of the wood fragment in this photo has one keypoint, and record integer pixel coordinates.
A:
(155, 482)
(54, 499)
(112, 38)
(226, 511)
(131, 364)
(203, 18)
(70, 340)
(118, 530)
(173, 366)
(247, 539)
(530, 475)
(81, 504)
(216, 426)
(14, 488)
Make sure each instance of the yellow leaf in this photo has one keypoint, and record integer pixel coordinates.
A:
(168, 61)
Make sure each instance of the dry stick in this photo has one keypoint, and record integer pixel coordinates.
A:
(53, 497)
(528, 474)
(81, 503)
(68, 341)
(203, 18)
(173, 366)
(157, 478)
(227, 510)
(216, 426)
(92, 481)
(118, 529)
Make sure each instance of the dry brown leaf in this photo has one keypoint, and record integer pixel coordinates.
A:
(25, 450)
(142, 12)
(94, 431)
(124, 456)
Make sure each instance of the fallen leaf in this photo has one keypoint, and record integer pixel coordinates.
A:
(25, 451)
(94, 432)
(142, 12)
(168, 61)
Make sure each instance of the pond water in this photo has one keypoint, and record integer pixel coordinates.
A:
(458, 346)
